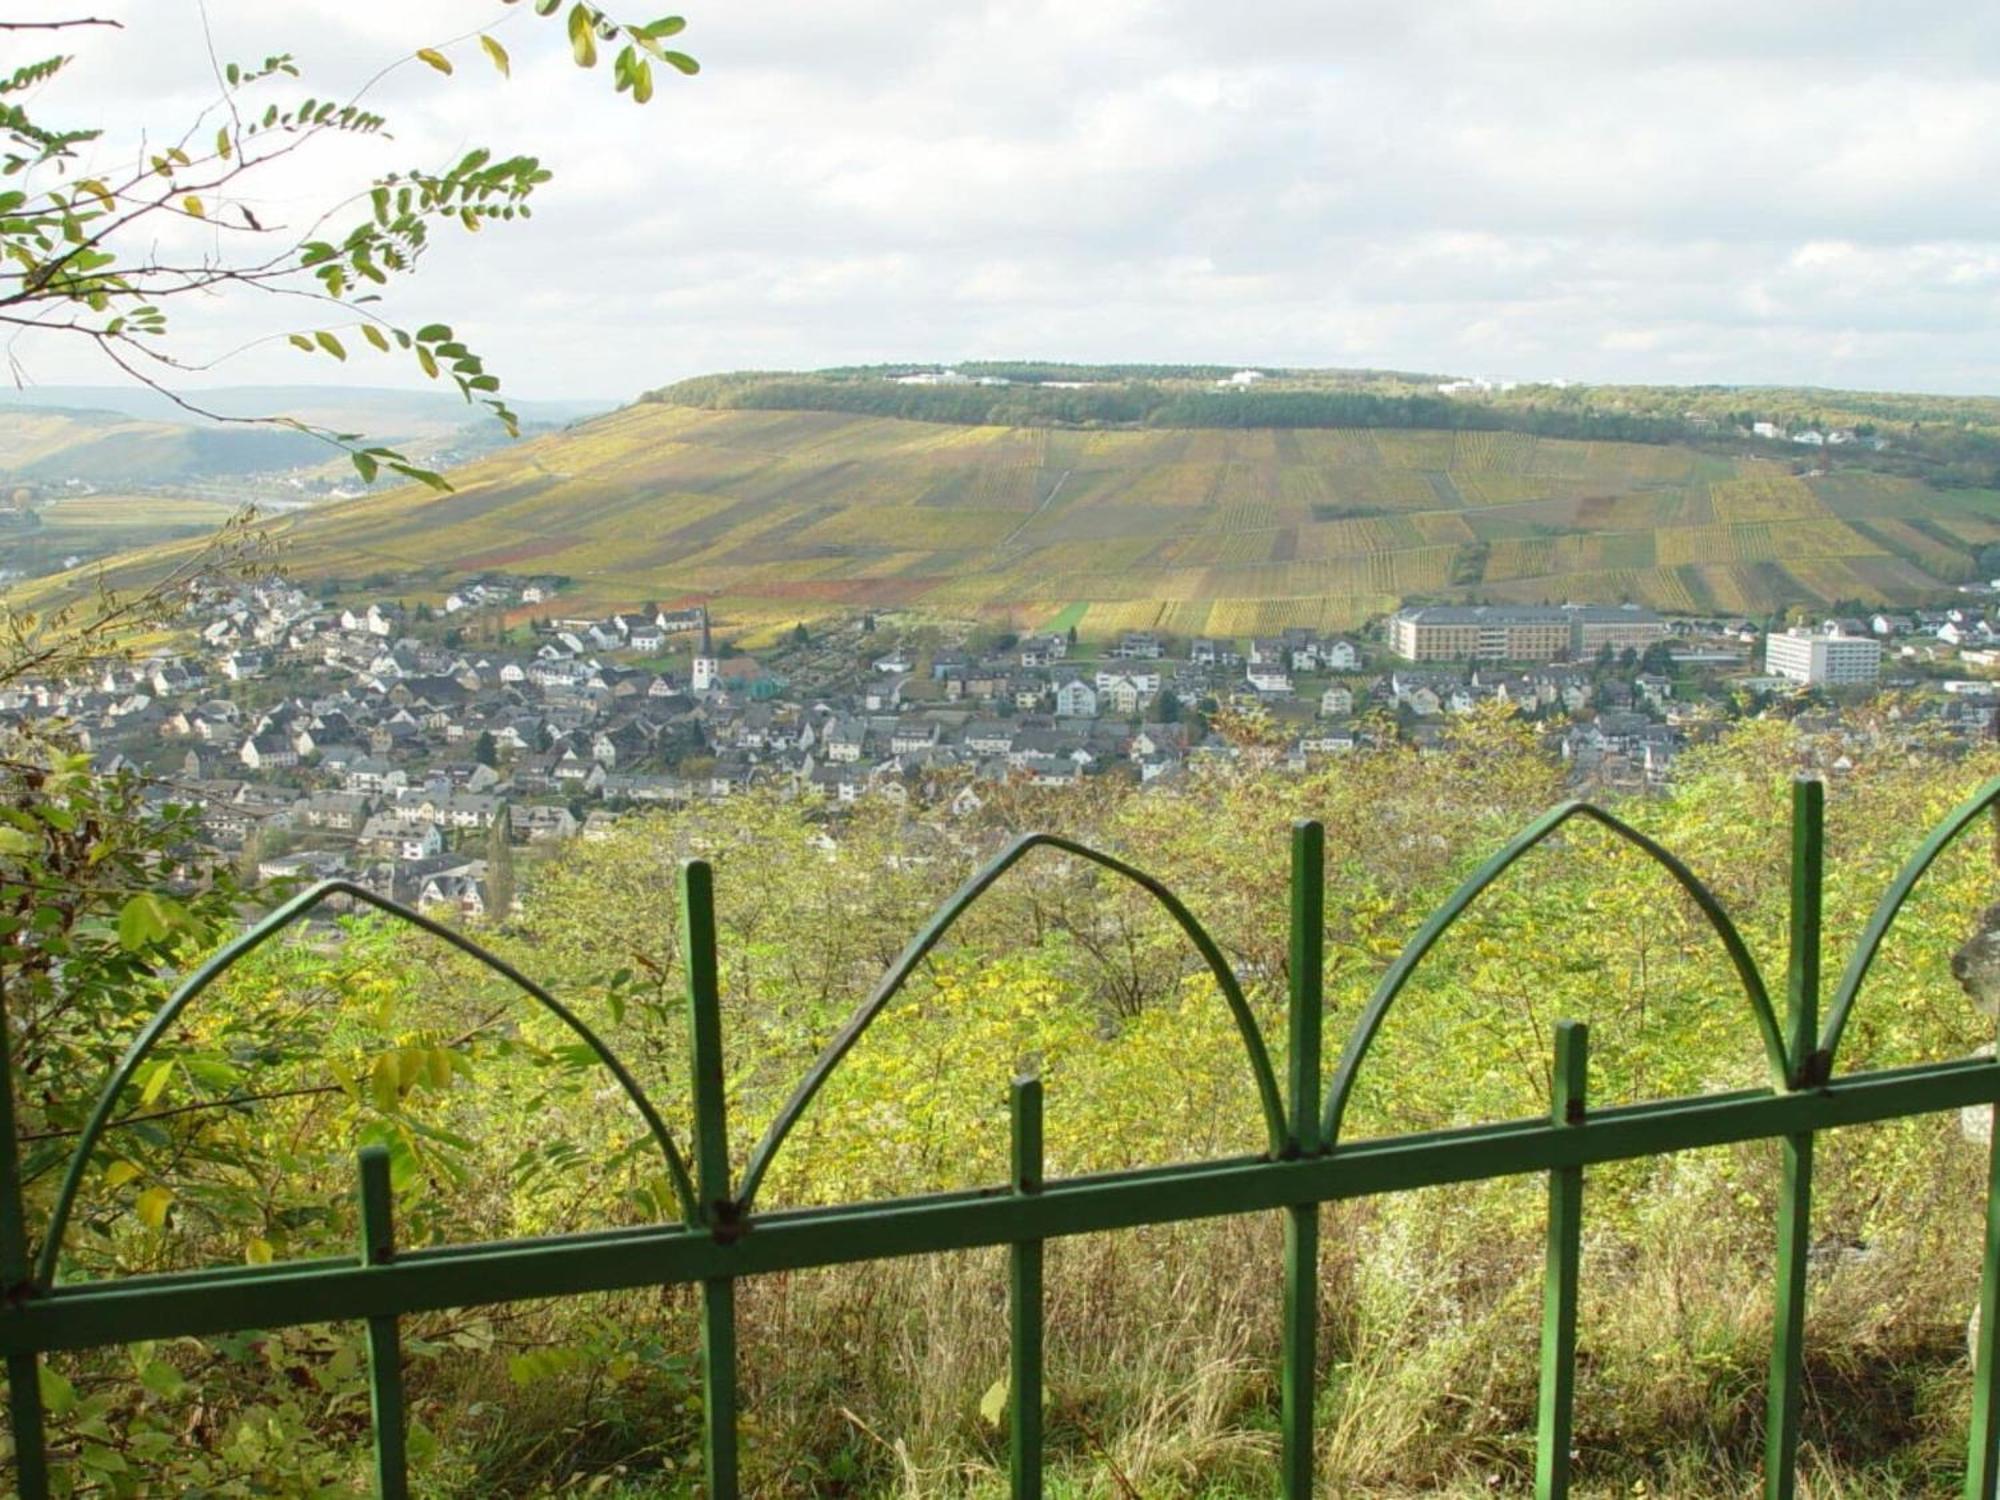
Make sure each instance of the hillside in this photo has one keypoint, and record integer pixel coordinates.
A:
(787, 515)
(131, 436)
(55, 444)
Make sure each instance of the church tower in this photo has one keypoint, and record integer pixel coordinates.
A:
(707, 669)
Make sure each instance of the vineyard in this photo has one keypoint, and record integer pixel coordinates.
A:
(781, 515)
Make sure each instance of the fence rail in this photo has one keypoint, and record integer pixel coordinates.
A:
(723, 1238)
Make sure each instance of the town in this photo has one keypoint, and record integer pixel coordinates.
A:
(412, 749)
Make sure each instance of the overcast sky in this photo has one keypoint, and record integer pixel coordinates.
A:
(1661, 190)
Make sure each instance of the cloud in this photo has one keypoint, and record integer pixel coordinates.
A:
(1658, 189)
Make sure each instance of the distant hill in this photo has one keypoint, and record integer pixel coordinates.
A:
(130, 436)
(787, 514)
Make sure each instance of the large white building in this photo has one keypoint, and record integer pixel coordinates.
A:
(1517, 632)
(1823, 658)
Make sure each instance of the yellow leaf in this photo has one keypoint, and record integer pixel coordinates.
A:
(499, 55)
(119, 1173)
(151, 1206)
(435, 58)
(156, 1082)
(193, 205)
(384, 1082)
(257, 1251)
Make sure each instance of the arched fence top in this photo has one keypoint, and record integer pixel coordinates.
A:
(1889, 908)
(1440, 921)
(933, 932)
(283, 917)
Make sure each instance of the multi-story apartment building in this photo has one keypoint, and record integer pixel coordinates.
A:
(1823, 658)
(1497, 632)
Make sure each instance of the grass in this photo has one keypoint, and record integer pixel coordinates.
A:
(790, 515)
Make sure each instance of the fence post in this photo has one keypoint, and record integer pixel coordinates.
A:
(711, 1151)
(1781, 1417)
(1559, 1275)
(24, 1371)
(1024, 1305)
(1301, 1313)
(385, 1345)
(1982, 1467)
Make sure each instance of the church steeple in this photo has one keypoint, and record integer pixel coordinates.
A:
(707, 668)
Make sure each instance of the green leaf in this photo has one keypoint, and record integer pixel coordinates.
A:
(434, 333)
(151, 1206)
(365, 466)
(161, 1378)
(682, 62)
(330, 344)
(142, 921)
(375, 336)
(104, 1460)
(430, 365)
(15, 842)
(222, 146)
(498, 53)
(435, 58)
(299, 340)
(642, 82)
(582, 36)
(665, 26)
(58, 1395)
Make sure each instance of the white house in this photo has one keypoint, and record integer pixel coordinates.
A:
(1076, 699)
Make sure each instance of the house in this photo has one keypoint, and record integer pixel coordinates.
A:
(392, 838)
(334, 812)
(845, 740)
(539, 823)
(1076, 699)
(269, 752)
(1122, 695)
(1269, 676)
(461, 894)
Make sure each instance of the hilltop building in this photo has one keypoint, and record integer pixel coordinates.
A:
(1498, 632)
(1829, 657)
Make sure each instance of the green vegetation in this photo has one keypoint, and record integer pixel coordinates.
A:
(238, 1143)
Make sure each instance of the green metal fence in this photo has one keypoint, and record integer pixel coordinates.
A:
(723, 1238)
